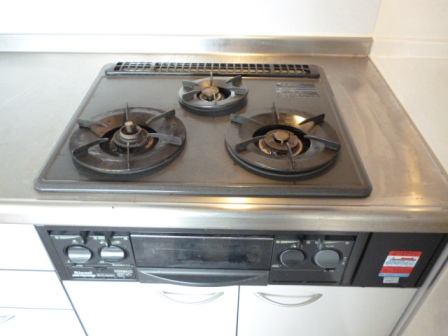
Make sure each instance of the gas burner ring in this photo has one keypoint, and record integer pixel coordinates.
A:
(130, 131)
(280, 142)
(211, 93)
(131, 136)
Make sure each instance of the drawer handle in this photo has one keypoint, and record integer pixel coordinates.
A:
(5, 318)
(303, 299)
(185, 298)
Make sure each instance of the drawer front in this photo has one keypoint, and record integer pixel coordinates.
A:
(117, 309)
(20, 322)
(320, 310)
(21, 248)
(32, 289)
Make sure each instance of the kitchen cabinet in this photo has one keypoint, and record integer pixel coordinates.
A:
(29, 254)
(29, 289)
(34, 302)
(48, 322)
(32, 299)
(114, 308)
(130, 308)
(318, 310)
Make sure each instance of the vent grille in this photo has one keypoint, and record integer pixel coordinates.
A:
(218, 69)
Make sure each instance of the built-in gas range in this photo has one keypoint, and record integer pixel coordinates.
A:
(227, 129)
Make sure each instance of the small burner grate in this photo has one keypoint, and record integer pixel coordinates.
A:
(207, 96)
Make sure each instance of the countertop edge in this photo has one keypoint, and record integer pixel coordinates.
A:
(228, 216)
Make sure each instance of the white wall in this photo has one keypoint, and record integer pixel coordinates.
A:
(413, 19)
(182, 17)
(412, 28)
(411, 50)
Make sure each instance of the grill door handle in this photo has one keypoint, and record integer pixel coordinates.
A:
(203, 277)
(191, 299)
(5, 318)
(303, 300)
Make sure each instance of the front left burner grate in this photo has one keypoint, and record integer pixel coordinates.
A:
(128, 141)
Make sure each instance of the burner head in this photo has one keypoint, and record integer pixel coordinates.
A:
(281, 143)
(133, 137)
(128, 141)
(212, 96)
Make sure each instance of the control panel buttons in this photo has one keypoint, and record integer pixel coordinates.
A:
(79, 254)
(112, 253)
(327, 258)
(292, 258)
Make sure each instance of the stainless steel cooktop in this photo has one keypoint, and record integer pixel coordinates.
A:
(221, 129)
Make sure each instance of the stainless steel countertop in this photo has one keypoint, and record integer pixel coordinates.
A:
(39, 93)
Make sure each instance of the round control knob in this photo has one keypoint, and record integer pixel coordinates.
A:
(112, 253)
(79, 254)
(292, 258)
(327, 258)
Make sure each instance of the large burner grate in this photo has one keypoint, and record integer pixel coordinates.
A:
(128, 140)
(281, 143)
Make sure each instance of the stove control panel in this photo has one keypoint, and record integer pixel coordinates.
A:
(272, 258)
(95, 255)
(310, 258)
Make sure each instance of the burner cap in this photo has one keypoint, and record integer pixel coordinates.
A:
(281, 143)
(212, 96)
(128, 141)
(131, 136)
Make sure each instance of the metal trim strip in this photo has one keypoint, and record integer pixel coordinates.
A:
(337, 46)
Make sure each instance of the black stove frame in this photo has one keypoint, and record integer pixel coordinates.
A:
(204, 167)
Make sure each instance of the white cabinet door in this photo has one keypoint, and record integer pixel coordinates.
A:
(130, 308)
(21, 248)
(316, 310)
(25, 322)
(32, 289)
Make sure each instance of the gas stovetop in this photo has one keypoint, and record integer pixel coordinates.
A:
(207, 129)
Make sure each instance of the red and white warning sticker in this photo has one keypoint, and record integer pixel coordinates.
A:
(399, 263)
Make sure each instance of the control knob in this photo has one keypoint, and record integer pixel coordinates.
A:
(327, 258)
(112, 253)
(79, 254)
(292, 257)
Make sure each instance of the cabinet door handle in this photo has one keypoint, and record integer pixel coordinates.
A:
(5, 318)
(186, 298)
(303, 299)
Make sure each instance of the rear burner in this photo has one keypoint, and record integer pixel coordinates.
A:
(281, 143)
(210, 96)
(128, 140)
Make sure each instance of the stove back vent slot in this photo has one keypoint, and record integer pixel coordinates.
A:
(218, 69)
